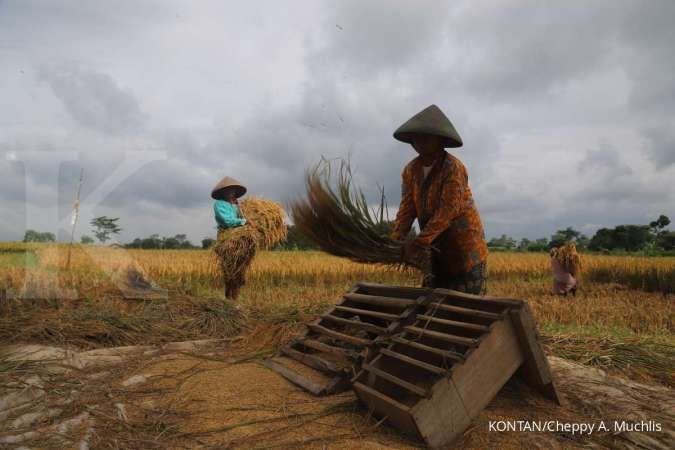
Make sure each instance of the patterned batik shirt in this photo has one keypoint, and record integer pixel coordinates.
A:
(444, 208)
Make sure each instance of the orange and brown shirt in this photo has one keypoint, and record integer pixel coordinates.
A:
(444, 208)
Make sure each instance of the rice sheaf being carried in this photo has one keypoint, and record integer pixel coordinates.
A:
(243, 228)
(450, 249)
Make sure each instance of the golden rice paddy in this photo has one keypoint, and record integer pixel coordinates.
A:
(622, 299)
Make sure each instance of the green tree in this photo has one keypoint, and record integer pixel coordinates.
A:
(296, 241)
(666, 240)
(183, 242)
(623, 237)
(207, 243)
(568, 234)
(178, 241)
(104, 227)
(154, 241)
(36, 236)
(632, 237)
(603, 239)
(539, 245)
(86, 240)
(524, 244)
(659, 224)
(502, 242)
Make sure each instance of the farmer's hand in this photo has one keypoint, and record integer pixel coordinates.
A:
(412, 251)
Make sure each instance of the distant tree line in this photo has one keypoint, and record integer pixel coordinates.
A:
(154, 241)
(36, 236)
(629, 238)
(635, 237)
(653, 237)
(505, 242)
(296, 241)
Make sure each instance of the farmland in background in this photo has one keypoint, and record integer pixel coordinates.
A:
(622, 318)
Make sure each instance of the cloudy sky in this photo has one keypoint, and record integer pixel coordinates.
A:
(566, 109)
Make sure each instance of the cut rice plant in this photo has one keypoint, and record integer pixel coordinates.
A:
(266, 219)
(339, 221)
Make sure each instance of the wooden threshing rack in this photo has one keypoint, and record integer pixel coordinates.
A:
(435, 377)
(338, 341)
(427, 361)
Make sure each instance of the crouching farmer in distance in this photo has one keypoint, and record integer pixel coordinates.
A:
(228, 216)
(566, 269)
(435, 191)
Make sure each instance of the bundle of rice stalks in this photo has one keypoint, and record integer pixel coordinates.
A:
(235, 249)
(339, 221)
(266, 219)
(568, 258)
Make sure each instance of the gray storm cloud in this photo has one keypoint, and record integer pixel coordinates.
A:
(566, 109)
(93, 99)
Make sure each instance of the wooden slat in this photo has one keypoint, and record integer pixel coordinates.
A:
(454, 323)
(443, 336)
(392, 291)
(390, 401)
(535, 367)
(355, 323)
(488, 368)
(322, 347)
(379, 300)
(294, 377)
(365, 312)
(396, 380)
(467, 311)
(444, 353)
(337, 335)
(442, 417)
(311, 360)
(415, 362)
(478, 299)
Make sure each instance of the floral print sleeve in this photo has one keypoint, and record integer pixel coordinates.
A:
(406, 211)
(451, 205)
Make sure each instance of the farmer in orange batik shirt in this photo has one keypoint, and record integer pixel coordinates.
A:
(435, 191)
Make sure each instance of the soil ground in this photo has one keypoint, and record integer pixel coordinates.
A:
(217, 394)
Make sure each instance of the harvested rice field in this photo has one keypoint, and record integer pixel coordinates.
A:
(89, 356)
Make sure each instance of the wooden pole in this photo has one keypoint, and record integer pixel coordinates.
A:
(76, 215)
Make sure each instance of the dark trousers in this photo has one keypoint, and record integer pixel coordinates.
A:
(472, 282)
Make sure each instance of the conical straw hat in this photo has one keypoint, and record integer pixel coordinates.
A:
(430, 120)
(226, 183)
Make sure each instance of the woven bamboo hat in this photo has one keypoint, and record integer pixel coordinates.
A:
(226, 184)
(430, 120)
